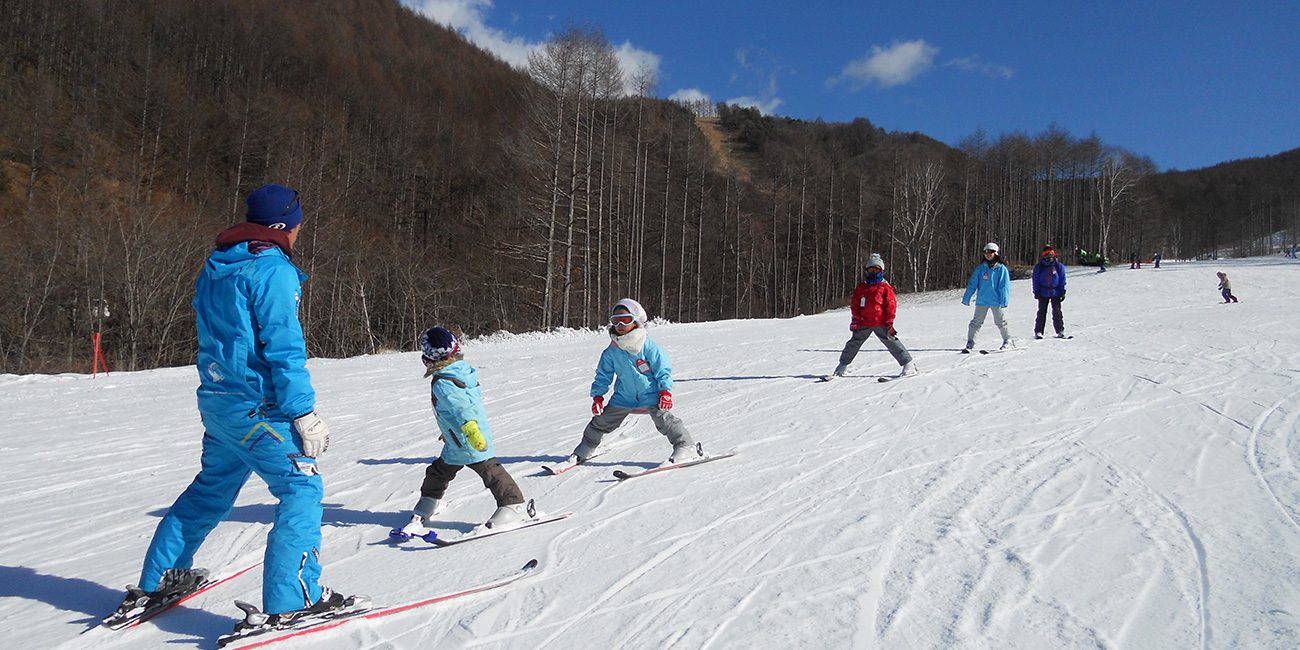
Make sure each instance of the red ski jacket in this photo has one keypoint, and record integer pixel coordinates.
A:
(873, 305)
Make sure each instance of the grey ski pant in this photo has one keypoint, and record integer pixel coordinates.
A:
(981, 311)
(609, 419)
(895, 346)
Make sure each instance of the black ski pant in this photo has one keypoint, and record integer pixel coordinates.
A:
(495, 478)
(1058, 321)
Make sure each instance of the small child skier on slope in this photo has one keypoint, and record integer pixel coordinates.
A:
(873, 308)
(466, 436)
(1225, 288)
(991, 284)
(643, 382)
(1049, 289)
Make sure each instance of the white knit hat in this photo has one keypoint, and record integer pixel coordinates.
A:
(875, 260)
(633, 307)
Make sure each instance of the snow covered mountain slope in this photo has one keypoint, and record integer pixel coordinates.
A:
(1134, 487)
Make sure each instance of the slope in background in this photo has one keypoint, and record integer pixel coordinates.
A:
(1134, 487)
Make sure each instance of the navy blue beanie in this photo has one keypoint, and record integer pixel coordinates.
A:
(274, 206)
(438, 344)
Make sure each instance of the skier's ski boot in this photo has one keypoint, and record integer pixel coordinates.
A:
(512, 515)
(908, 370)
(1061, 335)
(840, 370)
(1039, 335)
(686, 454)
(1008, 345)
(331, 604)
(174, 585)
(418, 526)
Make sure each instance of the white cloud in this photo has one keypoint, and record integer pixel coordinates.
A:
(468, 18)
(763, 70)
(766, 106)
(975, 64)
(896, 65)
(685, 95)
(632, 61)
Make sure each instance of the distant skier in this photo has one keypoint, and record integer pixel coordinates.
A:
(1225, 288)
(991, 284)
(259, 414)
(1049, 289)
(643, 382)
(873, 307)
(466, 438)
(1155, 258)
(1134, 261)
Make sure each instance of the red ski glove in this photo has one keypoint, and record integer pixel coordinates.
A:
(665, 400)
(597, 404)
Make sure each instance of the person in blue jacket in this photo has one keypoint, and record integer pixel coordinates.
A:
(991, 286)
(1049, 289)
(466, 436)
(643, 383)
(258, 409)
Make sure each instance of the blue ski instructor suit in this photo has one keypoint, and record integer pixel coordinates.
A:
(253, 384)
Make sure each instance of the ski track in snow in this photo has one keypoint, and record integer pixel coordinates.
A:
(1133, 487)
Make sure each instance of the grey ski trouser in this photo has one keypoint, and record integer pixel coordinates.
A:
(895, 346)
(981, 311)
(609, 419)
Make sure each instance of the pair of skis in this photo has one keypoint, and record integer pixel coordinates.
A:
(330, 620)
(623, 476)
(360, 610)
(397, 535)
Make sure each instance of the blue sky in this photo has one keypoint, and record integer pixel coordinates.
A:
(1189, 84)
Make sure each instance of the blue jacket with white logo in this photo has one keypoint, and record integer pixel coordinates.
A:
(992, 283)
(640, 376)
(457, 399)
(251, 349)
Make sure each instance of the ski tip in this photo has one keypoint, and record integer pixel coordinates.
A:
(621, 475)
(530, 565)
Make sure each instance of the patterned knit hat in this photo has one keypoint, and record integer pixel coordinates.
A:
(438, 344)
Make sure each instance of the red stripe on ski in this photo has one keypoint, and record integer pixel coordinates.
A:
(385, 611)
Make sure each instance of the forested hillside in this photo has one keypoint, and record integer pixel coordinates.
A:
(442, 186)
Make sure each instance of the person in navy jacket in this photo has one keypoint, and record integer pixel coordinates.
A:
(873, 307)
(990, 283)
(1049, 289)
(643, 383)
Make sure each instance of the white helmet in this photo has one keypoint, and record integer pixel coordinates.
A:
(992, 247)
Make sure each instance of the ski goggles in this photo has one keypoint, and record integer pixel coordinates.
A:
(622, 319)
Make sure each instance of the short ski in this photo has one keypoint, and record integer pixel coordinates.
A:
(894, 377)
(623, 476)
(479, 532)
(311, 626)
(1000, 350)
(561, 467)
(121, 623)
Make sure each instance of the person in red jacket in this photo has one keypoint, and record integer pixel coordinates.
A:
(873, 309)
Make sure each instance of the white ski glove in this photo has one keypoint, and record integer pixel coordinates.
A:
(315, 435)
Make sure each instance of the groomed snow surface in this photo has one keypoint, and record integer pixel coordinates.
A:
(1134, 487)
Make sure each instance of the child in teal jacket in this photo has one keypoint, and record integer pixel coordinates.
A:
(642, 377)
(466, 436)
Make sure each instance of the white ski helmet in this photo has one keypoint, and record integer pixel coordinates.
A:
(992, 247)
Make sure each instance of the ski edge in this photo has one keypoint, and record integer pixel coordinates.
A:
(386, 611)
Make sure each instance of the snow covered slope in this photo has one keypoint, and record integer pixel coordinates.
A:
(1135, 487)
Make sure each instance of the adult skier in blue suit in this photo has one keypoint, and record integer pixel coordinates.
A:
(258, 409)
